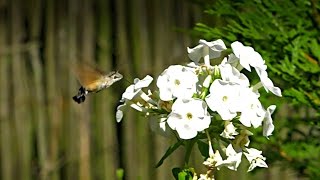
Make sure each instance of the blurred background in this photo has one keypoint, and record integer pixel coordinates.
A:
(44, 134)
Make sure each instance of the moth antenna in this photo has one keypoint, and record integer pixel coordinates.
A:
(125, 79)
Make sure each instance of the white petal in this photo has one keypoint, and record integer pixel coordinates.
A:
(229, 130)
(195, 53)
(243, 53)
(268, 126)
(222, 98)
(119, 113)
(261, 163)
(129, 93)
(234, 159)
(188, 116)
(215, 47)
(267, 83)
(201, 50)
(145, 82)
(165, 95)
(177, 81)
(187, 132)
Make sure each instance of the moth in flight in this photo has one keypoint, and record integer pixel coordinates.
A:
(93, 80)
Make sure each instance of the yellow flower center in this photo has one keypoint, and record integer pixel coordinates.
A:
(177, 82)
(224, 98)
(189, 116)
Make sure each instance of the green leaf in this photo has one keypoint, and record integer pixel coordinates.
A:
(169, 151)
(203, 148)
(175, 172)
(296, 94)
(183, 174)
(188, 145)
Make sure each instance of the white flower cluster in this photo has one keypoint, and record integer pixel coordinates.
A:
(191, 97)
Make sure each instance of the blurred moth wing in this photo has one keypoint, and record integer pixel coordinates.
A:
(87, 74)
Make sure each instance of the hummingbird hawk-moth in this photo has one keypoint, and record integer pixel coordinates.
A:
(93, 80)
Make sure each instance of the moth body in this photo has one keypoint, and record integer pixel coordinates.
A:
(93, 80)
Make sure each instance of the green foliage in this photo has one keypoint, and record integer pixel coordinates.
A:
(169, 151)
(287, 35)
(203, 148)
(183, 174)
(178, 173)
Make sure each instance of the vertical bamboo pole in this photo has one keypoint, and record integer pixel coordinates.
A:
(141, 61)
(5, 121)
(53, 90)
(35, 17)
(87, 53)
(42, 145)
(128, 143)
(20, 92)
(72, 141)
(122, 51)
(66, 130)
(140, 37)
(108, 161)
(162, 40)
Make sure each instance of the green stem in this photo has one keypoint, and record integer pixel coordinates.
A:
(204, 93)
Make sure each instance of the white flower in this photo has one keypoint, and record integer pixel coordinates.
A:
(177, 82)
(213, 159)
(136, 87)
(247, 56)
(252, 112)
(207, 50)
(234, 159)
(188, 117)
(267, 83)
(231, 74)
(222, 98)
(268, 126)
(119, 112)
(229, 130)
(132, 95)
(255, 158)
